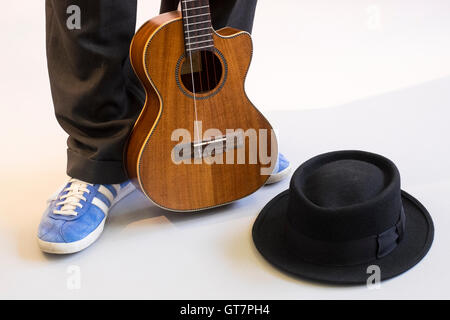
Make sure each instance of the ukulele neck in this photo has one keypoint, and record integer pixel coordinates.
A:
(197, 25)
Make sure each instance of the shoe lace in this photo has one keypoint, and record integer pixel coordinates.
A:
(71, 200)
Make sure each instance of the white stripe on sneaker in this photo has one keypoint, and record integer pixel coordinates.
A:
(108, 194)
(124, 191)
(116, 187)
(101, 205)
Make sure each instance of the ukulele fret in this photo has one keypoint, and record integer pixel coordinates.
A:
(193, 23)
(199, 36)
(198, 29)
(198, 15)
(192, 43)
(198, 48)
(197, 24)
(201, 7)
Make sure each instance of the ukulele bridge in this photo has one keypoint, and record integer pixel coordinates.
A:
(208, 148)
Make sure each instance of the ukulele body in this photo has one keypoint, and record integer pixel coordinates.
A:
(158, 55)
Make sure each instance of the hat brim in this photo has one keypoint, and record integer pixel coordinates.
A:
(269, 236)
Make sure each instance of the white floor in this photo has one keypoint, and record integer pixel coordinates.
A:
(397, 74)
(146, 252)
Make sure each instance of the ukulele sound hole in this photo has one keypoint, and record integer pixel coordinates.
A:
(206, 71)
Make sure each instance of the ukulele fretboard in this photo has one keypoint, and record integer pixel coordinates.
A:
(197, 25)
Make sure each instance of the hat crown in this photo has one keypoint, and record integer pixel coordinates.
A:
(344, 183)
(344, 196)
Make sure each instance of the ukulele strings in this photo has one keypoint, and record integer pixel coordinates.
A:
(200, 69)
(212, 55)
(206, 55)
(196, 128)
(214, 68)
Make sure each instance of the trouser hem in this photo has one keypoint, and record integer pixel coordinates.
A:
(93, 171)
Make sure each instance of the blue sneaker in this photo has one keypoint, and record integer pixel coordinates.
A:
(281, 171)
(75, 217)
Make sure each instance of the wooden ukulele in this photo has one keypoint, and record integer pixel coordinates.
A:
(193, 146)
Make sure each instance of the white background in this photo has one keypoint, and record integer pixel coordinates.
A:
(372, 75)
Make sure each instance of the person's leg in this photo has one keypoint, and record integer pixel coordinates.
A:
(93, 99)
(238, 14)
(96, 104)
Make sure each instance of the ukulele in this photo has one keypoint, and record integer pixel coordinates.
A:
(199, 142)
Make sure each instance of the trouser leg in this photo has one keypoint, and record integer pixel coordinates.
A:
(96, 96)
(94, 101)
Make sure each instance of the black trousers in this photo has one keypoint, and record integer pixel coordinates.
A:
(96, 95)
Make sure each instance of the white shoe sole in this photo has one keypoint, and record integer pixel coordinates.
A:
(276, 177)
(76, 246)
(72, 247)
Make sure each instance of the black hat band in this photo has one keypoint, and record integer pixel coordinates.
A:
(345, 253)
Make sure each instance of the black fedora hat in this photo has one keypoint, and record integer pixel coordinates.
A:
(344, 211)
